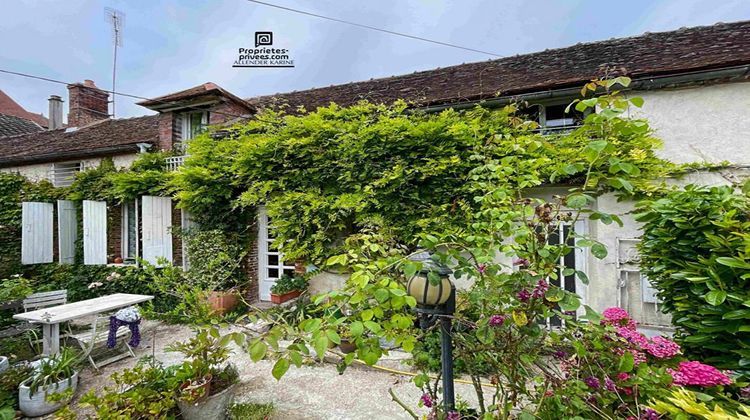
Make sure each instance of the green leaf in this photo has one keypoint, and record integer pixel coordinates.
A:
(626, 362)
(582, 277)
(258, 351)
(637, 101)
(410, 269)
(716, 297)
(333, 336)
(280, 368)
(320, 344)
(367, 314)
(599, 250)
(356, 328)
(373, 326)
(381, 295)
(733, 262)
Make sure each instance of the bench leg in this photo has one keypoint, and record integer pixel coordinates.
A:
(50, 339)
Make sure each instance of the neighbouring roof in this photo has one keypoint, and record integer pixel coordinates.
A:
(10, 107)
(11, 126)
(106, 137)
(206, 92)
(651, 54)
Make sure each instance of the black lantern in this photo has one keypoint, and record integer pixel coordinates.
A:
(436, 300)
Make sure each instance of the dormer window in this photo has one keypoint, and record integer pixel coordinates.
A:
(193, 123)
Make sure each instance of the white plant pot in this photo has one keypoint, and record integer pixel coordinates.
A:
(4, 364)
(36, 405)
(212, 408)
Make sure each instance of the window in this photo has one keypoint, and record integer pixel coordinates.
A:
(574, 259)
(63, 174)
(193, 123)
(552, 118)
(129, 231)
(272, 265)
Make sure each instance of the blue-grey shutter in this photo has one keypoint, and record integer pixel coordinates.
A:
(94, 232)
(156, 216)
(67, 230)
(36, 233)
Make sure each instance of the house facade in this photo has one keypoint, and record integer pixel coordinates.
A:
(695, 83)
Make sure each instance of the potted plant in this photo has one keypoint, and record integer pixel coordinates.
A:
(287, 288)
(51, 376)
(223, 301)
(347, 344)
(206, 382)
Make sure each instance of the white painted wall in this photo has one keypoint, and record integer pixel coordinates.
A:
(706, 123)
(42, 171)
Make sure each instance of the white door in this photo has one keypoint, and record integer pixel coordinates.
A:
(36, 234)
(271, 265)
(94, 232)
(157, 234)
(67, 231)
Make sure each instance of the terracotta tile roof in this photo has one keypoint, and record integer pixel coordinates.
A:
(11, 126)
(107, 137)
(10, 107)
(651, 54)
(177, 98)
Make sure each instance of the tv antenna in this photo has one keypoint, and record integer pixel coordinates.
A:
(116, 20)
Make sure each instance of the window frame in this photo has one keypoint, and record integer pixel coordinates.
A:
(264, 251)
(69, 169)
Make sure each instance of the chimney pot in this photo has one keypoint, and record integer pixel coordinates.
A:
(55, 112)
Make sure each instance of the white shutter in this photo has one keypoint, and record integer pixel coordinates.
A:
(67, 230)
(36, 236)
(94, 232)
(157, 235)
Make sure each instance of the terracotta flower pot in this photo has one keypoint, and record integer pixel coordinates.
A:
(223, 302)
(277, 299)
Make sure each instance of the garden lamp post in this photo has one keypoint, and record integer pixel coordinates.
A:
(436, 300)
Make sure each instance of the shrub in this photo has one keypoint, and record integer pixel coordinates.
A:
(696, 252)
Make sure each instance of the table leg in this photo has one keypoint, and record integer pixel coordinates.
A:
(50, 339)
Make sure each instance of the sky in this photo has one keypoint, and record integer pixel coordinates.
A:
(170, 45)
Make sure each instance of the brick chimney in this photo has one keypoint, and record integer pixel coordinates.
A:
(86, 104)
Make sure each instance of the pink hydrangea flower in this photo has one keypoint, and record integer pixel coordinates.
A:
(662, 348)
(633, 337)
(623, 376)
(618, 317)
(696, 373)
(638, 356)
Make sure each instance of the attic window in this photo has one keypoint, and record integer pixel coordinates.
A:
(63, 174)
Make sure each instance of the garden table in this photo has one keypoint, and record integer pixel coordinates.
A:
(53, 316)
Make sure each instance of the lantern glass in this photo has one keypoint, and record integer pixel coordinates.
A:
(428, 294)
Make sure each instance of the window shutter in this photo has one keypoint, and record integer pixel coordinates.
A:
(157, 235)
(67, 230)
(94, 232)
(36, 236)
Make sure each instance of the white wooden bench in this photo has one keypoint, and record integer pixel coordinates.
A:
(45, 300)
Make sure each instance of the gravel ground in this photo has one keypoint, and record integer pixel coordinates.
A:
(310, 392)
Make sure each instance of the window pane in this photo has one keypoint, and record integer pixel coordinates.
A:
(289, 272)
(132, 230)
(273, 260)
(273, 273)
